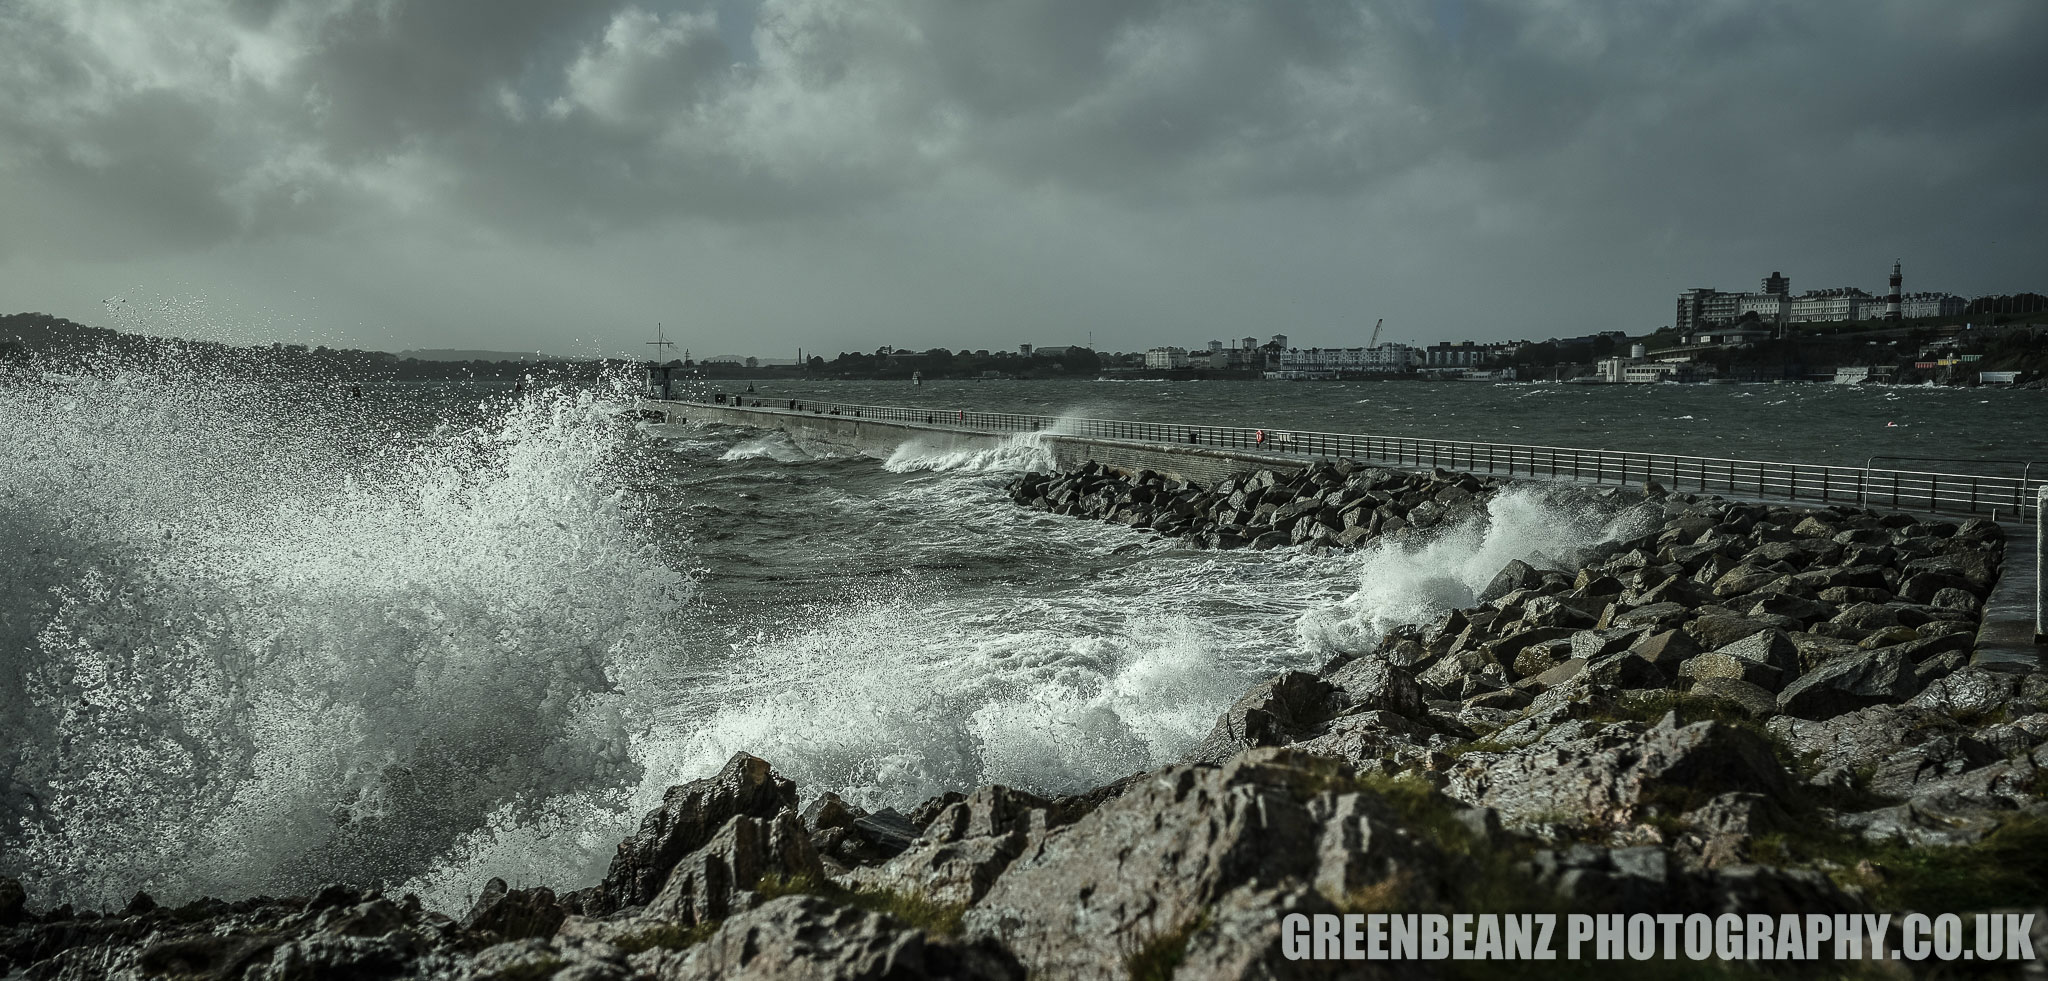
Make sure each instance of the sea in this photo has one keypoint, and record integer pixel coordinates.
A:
(260, 633)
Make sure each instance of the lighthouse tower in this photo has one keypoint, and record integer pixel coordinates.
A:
(1891, 298)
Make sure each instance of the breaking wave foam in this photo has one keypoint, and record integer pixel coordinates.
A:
(1407, 582)
(1015, 454)
(777, 446)
(902, 699)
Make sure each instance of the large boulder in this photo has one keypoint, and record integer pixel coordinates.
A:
(1607, 774)
(687, 819)
(1373, 684)
(805, 938)
(1289, 706)
(719, 879)
(515, 913)
(1975, 693)
(1153, 863)
(1848, 683)
(965, 847)
(1888, 750)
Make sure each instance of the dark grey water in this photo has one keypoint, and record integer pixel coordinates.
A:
(1841, 425)
(254, 637)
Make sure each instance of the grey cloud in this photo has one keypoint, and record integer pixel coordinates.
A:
(544, 112)
(1507, 141)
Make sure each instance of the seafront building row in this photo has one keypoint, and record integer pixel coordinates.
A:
(1773, 303)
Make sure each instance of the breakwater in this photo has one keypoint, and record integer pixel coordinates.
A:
(1997, 489)
(1323, 505)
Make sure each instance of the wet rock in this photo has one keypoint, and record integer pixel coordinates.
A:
(718, 880)
(1510, 646)
(1465, 673)
(1816, 649)
(1890, 750)
(1867, 616)
(689, 816)
(966, 847)
(1923, 823)
(1978, 568)
(1720, 666)
(1753, 700)
(1888, 637)
(1744, 579)
(1155, 860)
(393, 955)
(1970, 693)
(515, 913)
(1289, 706)
(1667, 649)
(1627, 670)
(1241, 939)
(1786, 605)
(1954, 599)
(1841, 595)
(886, 830)
(1606, 776)
(1594, 644)
(805, 937)
(1373, 684)
(2018, 736)
(1517, 574)
(1849, 683)
(1741, 814)
(1538, 658)
(1375, 741)
(1557, 675)
(1771, 648)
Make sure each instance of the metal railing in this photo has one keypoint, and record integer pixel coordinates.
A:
(2006, 497)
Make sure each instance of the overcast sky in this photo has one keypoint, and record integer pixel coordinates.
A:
(761, 175)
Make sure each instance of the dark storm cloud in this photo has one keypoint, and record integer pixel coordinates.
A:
(1476, 129)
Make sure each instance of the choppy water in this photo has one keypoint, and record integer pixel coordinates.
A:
(255, 637)
(1840, 425)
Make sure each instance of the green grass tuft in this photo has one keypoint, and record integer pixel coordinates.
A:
(2008, 868)
(942, 919)
(1159, 957)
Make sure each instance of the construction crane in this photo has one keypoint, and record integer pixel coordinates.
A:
(1375, 342)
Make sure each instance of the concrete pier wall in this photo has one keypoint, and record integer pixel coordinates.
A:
(2010, 633)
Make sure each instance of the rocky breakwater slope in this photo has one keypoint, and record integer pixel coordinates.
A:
(1327, 505)
(1747, 710)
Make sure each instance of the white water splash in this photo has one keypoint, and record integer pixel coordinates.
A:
(258, 646)
(1412, 582)
(778, 447)
(901, 699)
(1015, 454)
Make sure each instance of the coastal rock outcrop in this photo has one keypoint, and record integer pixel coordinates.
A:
(687, 819)
(1745, 709)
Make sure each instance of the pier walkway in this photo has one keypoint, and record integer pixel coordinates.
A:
(2010, 493)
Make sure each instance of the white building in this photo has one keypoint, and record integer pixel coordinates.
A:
(1463, 354)
(1770, 308)
(1386, 358)
(1166, 357)
(1931, 305)
(1838, 304)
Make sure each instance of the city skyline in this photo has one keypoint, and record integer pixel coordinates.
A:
(527, 177)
